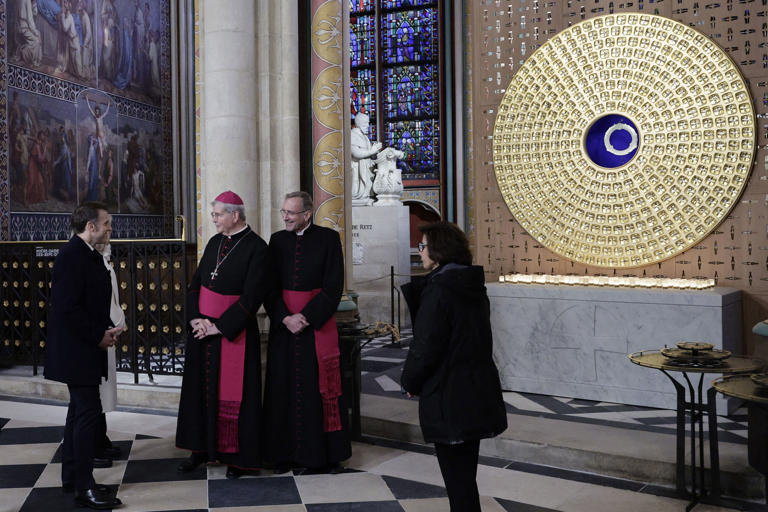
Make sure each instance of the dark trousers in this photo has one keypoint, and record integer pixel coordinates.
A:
(458, 464)
(80, 431)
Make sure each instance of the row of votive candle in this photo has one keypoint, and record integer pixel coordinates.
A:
(632, 282)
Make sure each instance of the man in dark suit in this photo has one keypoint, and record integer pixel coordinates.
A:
(78, 334)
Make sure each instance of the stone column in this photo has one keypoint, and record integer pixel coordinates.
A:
(248, 138)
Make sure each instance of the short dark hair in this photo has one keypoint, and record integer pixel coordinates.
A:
(306, 200)
(446, 243)
(85, 213)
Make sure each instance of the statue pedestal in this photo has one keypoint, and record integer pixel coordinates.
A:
(380, 239)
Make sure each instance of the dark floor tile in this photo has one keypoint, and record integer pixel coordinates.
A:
(160, 470)
(49, 499)
(377, 366)
(365, 506)
(125, 449)
(253, 492)
(30, 435)
(20, 475)
(514, 506)
(403, 489)
(3, 421)
(576, 476)
(144, 436)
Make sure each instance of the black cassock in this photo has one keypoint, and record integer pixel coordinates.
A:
(293, 411)
(242, 271)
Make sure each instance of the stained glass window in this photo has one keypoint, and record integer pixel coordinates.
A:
(395, 79)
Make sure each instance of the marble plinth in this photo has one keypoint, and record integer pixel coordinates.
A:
(380, 239)
(573, 340)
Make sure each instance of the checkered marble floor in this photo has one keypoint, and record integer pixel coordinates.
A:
(382, 364)
(380, 476)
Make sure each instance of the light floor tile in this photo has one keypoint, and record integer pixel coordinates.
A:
(27, 453)
(425, 505)
(148, 424)
(608, 416)
(366, 456)
(110, 476)
(181, 495)
(520, 402)
(50, 477)
(268, 508)
(543, 491)
(219, 472)
(387, 383)
(23, 423)
(115, 435)
(144, 449)
(411, 466)
(11, 500)
(593, 498)
(344, 487)
(384, 359)
(47, 414)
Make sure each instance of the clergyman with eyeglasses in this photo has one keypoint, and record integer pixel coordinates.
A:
(220, 405)
(306, 424)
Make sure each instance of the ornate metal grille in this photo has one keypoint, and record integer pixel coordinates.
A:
(151, 276)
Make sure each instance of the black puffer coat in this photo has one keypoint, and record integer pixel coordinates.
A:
(450, 364)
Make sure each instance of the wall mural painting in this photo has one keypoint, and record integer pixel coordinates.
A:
(140, 166)
(88, 112)
(41, 147)
(111, 45)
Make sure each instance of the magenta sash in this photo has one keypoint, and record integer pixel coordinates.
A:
(327, 350)
(231, 372)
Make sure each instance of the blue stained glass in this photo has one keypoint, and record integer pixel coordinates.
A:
(362, 40)
(394, 4)
(420, 140)
(363, 96)
(410, 91)
(409, 36)
(361, 5)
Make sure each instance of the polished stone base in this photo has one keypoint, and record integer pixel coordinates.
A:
(573, 340)
(380, 239)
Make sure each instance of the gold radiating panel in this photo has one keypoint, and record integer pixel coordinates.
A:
(694, 130)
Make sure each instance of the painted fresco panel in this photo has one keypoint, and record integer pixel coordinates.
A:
(86, 116)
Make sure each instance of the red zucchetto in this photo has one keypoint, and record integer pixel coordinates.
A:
(229, 197)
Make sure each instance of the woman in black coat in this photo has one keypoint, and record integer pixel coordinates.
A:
(450, 363)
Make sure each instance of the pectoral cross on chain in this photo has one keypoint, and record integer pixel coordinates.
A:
(214, 274)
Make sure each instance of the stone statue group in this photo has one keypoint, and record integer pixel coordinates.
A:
(368, 159)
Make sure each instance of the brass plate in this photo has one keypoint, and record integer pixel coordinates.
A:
(694, 134)
(689, 356)
(694, 345)
(760, 379)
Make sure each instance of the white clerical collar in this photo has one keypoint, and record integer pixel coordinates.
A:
(238, 231)
(301, 233)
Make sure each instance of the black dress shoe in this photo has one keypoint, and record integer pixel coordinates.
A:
(111, 452)
(191, 463)
(101, 462)
(103, 489)
(233, 472)
(95, 500)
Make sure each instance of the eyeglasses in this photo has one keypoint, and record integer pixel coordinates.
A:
(289, 212)
(216, 215)
(421, 246)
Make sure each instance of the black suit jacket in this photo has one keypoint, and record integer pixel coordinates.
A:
(78, 315)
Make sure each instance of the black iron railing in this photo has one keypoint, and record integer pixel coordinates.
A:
(152, 277)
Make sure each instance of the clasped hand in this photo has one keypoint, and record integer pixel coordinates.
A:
(295, 323)
(202, 327)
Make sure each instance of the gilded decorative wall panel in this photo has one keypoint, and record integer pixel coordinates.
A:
(735, 253)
